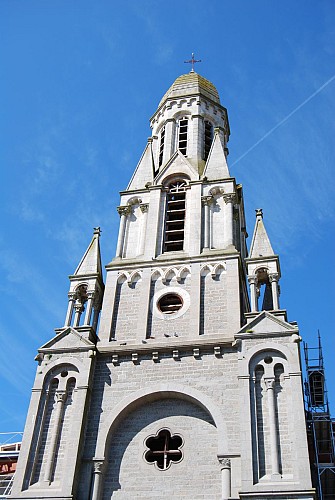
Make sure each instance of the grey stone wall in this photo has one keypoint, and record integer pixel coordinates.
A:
(197, 475)
(159, 327)
(213, 305)
(126, 310)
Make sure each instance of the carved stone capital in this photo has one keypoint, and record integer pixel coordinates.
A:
(124, 210)
(229, 198)
(273, 277)
(60, 396)
(207, 200)
(144, 208)
(72, 295)
(269, 382)
(98, 467)
(252, 279)
(224, 462)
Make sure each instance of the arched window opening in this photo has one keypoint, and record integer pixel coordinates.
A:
(175, 217)
(264, 291)
(161, 146)
(208, 138)
(182, 136)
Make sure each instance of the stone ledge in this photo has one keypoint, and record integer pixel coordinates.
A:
(172, 344)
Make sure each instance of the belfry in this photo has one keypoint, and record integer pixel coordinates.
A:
(167, 381)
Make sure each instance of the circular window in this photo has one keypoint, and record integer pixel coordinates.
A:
(170, 303)
(268, 360)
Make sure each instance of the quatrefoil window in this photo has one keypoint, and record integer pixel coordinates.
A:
(164, 449)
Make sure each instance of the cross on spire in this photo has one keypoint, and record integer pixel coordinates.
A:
(192, 61)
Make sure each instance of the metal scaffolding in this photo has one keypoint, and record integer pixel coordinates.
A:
(320, 425)
(10, 444)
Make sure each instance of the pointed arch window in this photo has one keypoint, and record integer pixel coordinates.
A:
(175, 216)
(208, 138)
(161, 146)
(182, 135)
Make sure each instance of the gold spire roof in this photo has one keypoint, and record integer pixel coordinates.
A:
(190, 84)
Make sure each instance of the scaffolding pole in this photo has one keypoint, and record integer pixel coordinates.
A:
(320, 425)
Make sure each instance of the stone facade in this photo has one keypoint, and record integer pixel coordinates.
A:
(186, 389)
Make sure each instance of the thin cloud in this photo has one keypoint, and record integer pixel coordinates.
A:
(284, 120)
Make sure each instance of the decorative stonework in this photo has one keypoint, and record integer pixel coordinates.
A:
(229, 198)
(273, 277)
(144, 207)
(167, 274)
(224, 462)
(124, 210)
(207, 200)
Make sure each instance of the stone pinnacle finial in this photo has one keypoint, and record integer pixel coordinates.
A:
(97, 230)
(259, 213)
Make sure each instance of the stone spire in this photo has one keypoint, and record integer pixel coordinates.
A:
(145, 169)
(216, 166)
(86, 287)
(91, 260)
(263, 269)
(260, 245)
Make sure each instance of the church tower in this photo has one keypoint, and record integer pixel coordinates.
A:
(180, 387)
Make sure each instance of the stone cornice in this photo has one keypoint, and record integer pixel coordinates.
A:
(175, 260)
(172, 344)
(265, 335)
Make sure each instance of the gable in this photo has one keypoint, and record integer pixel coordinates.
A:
(267, 323)
(177, 164)
(68, 340)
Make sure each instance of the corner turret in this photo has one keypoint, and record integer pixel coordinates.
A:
(86, 287)
(263, 270)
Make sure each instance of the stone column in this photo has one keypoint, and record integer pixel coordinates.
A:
(98, 466)
(89, 305)
(196, 141)
(72, 299)
(273, 277)
(207, 201)
(253, 292)
(78, 307)
(269, 383)
(144, 209)
(123, 211)
(225, 464)
(228, 219)
(60, 399)
(97, 309)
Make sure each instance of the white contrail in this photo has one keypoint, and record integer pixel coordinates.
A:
(284, 119)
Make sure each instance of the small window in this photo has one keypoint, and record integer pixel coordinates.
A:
(208, 138)
(164, 449)
(182, 137)
(175, 217)
(170, 303)
(161, 146)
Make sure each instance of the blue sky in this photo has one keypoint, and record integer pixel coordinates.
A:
(79, 81)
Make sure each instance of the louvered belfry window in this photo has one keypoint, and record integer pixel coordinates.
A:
(175, 217)
(208, 138)
(161, 146)
(182, 137)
